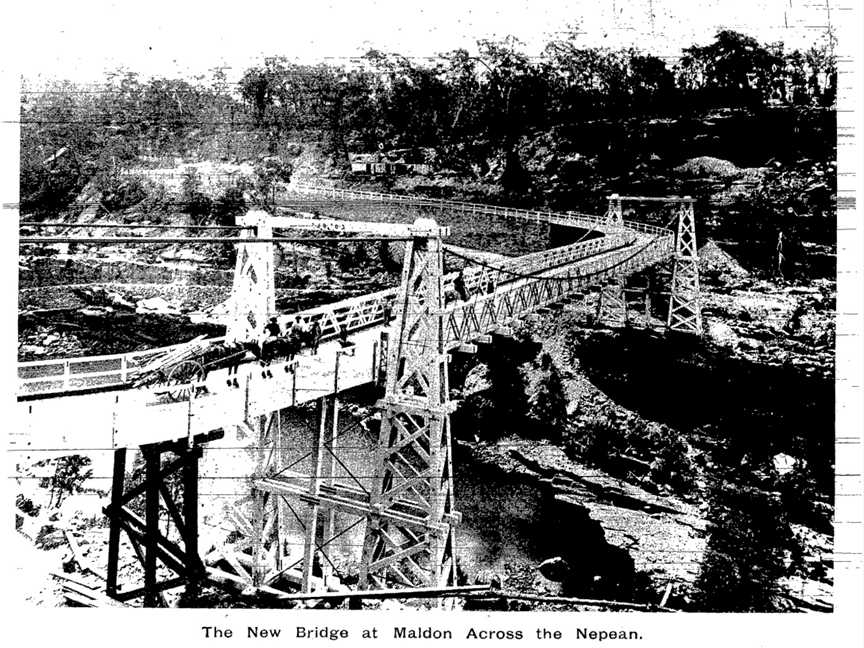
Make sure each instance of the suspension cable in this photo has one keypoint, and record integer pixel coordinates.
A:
(141, 240)
(132, 226)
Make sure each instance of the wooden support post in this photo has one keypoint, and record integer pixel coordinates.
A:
(328, 475)
(314, 489)
(151, 540)
(648, 303)
(280, 507)
(117, 487)
(194, 566)
(383, 351)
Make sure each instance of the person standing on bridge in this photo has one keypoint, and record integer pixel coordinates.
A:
(490, 286)
(315, 336)
(298, 329)
(272, 328)
(459, 286)
(344, 342)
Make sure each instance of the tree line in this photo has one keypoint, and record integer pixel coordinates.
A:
(467, 107)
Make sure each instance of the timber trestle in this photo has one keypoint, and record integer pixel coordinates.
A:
(138, 512)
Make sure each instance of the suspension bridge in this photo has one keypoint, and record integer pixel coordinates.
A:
(400, 339)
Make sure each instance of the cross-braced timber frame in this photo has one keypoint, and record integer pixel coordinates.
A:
(151, 544)
(410, 532)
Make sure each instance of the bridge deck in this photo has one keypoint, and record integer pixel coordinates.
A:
(131, 417)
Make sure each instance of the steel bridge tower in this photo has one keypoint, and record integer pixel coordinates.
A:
(612, 299)
(685, 312)
(410, 532)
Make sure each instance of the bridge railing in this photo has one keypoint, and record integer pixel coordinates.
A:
(478, 278)
(484, 313)
(572, 219)
(78, 374)
(352, 314)
(91, 372)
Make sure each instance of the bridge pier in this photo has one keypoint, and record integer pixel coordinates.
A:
(612, 308)
(410, 537)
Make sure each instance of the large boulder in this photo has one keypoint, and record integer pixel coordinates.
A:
(708, 167)
(720, 334)
(156, 305)
(555, 569)
(478, 380)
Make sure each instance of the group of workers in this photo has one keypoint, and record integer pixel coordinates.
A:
(300, 332)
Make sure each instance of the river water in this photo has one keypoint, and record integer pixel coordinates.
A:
(501, 520)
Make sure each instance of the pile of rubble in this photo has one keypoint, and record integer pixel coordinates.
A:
(714, 262)
(44, 342)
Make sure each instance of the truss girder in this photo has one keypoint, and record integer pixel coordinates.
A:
(486, 313)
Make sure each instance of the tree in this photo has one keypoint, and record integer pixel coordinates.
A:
(746, 550)
(597, 441)
(735, 69)
(514, 100)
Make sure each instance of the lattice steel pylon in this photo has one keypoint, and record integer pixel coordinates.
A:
(410, 536)
(615, 213)
(612, 299)
(253, 295)
(685, 307)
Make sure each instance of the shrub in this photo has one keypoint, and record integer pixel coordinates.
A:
(352, 256)
(672, 464)
(119, 192)
(799, 494)
(193, 200)
(228, 206)
(746, 551)
(597, 441)
(68, 478)
(268, 173)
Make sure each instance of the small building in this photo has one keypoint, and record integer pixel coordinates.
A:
(395, 162)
